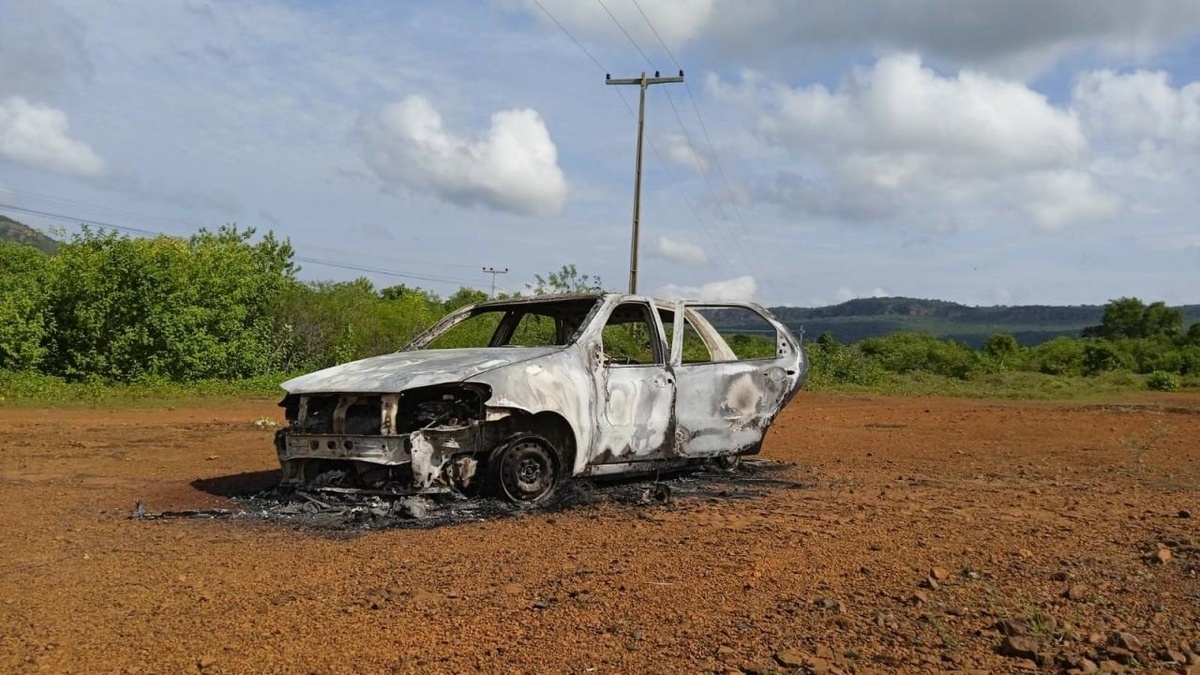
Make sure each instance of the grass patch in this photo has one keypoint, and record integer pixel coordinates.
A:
(32, 389)
(1008, 385)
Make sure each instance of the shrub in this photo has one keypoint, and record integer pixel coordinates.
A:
(1099, 357)
(126, 309)
(1162, 381)
(23, 273)
(1060, 356)
(909, 352)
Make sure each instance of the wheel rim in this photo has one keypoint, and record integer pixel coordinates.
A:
(527, 472)
(730, 463)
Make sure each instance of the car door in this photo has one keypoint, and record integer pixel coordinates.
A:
(727, 395)
(635, 388)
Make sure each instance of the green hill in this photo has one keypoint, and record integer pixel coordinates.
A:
(11, 230)
(870, 317)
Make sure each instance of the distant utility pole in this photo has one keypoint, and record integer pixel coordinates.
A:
(644, 82)
(493, 271)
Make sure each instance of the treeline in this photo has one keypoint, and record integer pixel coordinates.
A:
(1131, 337)
(218, 305)
(226, 305)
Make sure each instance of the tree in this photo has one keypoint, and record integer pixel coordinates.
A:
(462, 297)
(905, 352)
(827, 342)
(1158, 319)
(1100, 357)
(401, 291)
(1060, 356)
(23, 277)
(164, 307)
(1131, 318)
(1001, 346)
(566, 280)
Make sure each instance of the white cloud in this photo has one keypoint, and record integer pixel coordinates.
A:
(997, 36)
(675, 21)
(898, 136)
(680, 251)
(740, 288)
(843, 294)
(903, 109)
(1141, 105)
(1147, 135)
(513, 166)
(41, 50)
(680, 151)
(1060, 197)
(39, 136)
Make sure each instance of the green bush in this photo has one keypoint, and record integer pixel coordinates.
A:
(1002, 350)
(23, 276)
(1162, 381)
(831, 364)
(1189, 358)
(910, 352)
(324, 323)
(125, 309)
(1099, 357)
(1060, 356)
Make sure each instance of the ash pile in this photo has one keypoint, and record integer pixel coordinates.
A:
(338, 508)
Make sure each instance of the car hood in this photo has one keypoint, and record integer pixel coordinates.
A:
(393, 373)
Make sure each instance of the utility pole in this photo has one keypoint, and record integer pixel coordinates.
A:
(643, 82)
(493, 271)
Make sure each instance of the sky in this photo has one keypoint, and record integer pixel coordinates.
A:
(985, 152)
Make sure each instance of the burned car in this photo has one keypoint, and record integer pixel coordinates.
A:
(513, 397)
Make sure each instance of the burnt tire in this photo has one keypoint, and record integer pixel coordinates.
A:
(727, 463)
(525, 471)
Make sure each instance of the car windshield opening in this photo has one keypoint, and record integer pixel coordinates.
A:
(520, 324)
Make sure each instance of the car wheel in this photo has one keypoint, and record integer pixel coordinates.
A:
(525, 471)
(728, 463)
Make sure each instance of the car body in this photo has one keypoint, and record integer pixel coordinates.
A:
(515, 396)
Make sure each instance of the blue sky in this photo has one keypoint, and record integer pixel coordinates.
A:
(1013, 152)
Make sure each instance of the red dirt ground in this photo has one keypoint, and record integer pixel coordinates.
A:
(1013, 503)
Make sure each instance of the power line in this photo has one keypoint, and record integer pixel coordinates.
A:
(687, 137)
(391, 273)
(707, 138)
(60, 202)
(627, 35)
(656, 35)
(568, 34)
(63, 203)
(493, 271)
(699, 160)
(305, 259)
(628, 107)
(642, 83)
(73, 219)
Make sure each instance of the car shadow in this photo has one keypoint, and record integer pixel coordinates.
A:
(238, 484)
(258, 495)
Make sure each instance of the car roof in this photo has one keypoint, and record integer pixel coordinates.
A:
(556, 297)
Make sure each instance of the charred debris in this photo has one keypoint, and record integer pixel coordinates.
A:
(336, 508)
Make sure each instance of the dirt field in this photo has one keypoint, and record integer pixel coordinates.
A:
(926, 530)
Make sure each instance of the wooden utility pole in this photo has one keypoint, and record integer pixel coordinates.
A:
(643, 82)
(493, 271)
